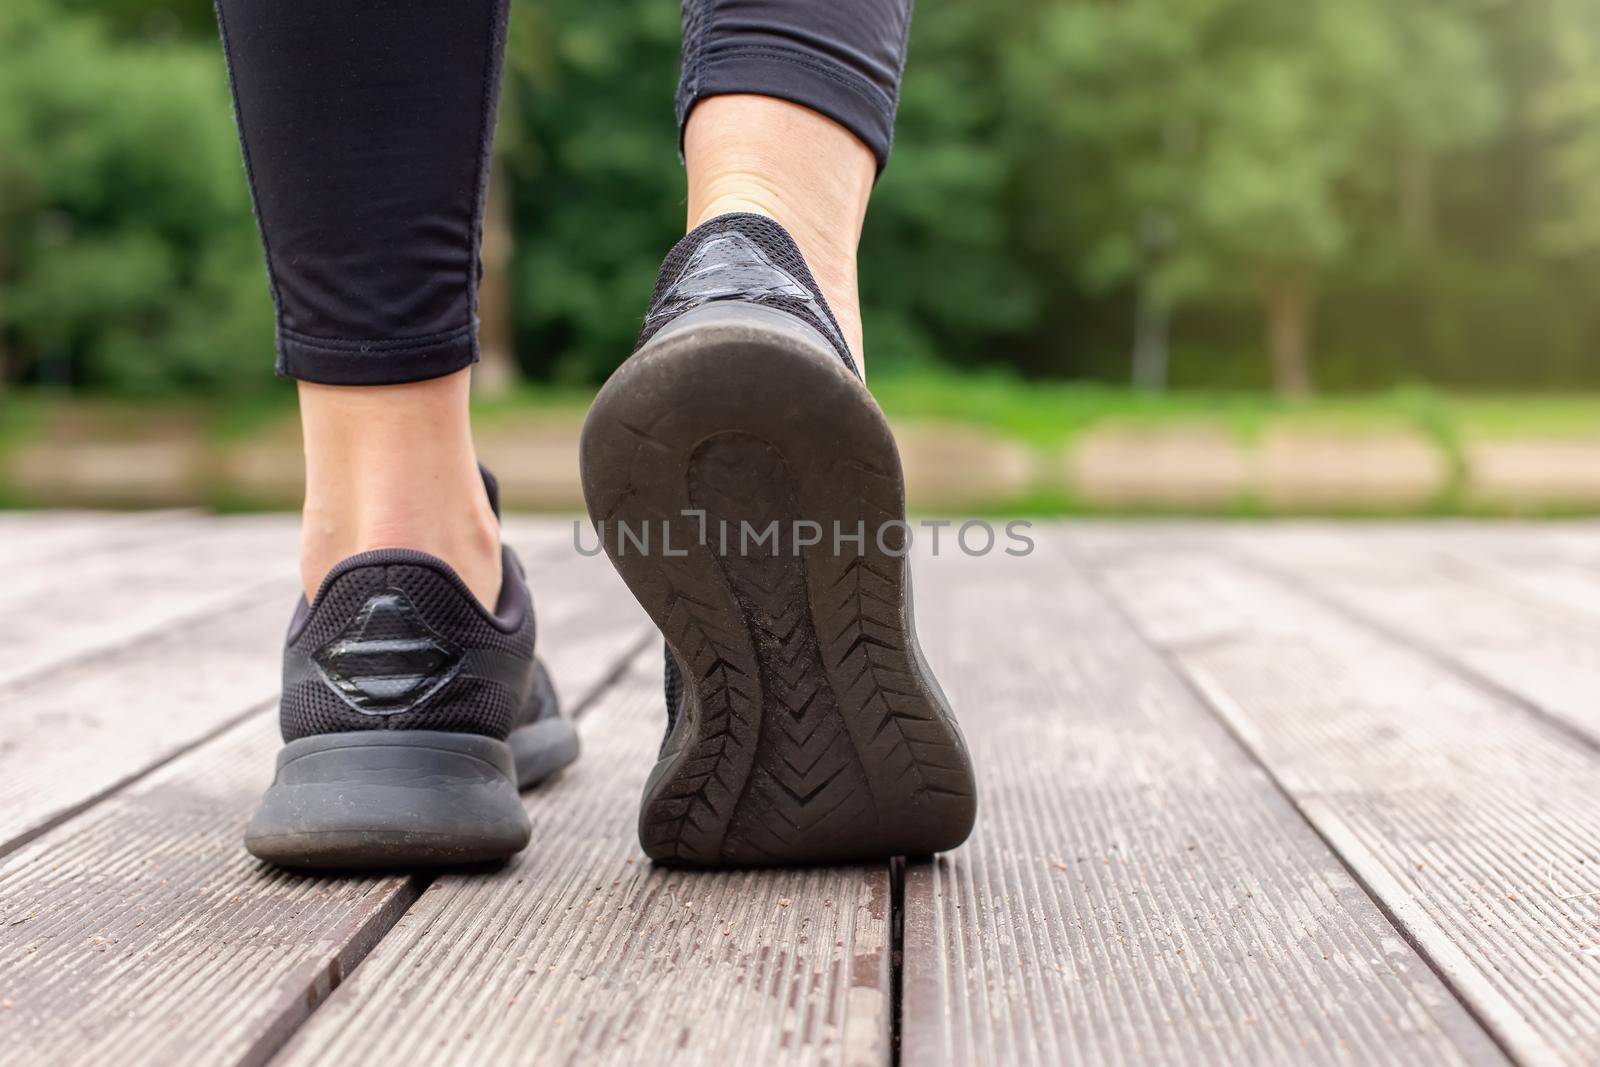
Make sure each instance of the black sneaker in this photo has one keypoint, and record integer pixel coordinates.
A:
(412, 716)
(748, 490)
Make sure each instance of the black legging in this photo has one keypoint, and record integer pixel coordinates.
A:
(366, 127)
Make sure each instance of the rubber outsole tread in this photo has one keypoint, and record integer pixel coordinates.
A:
(811, 729)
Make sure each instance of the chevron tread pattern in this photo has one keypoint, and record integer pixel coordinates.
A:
(865, 648)
(810, 730)
(807, 785)
(690, 815)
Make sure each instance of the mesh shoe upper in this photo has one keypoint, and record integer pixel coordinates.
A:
(744, 257)
(395, 641)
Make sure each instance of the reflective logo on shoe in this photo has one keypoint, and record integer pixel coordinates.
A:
(387, 659)
(729, 266)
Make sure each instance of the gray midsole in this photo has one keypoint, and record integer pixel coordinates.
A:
(423, 782)
(542, 748)
(308, 759)
(744, 313)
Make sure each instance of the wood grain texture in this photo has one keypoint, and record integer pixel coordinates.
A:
(1142, 887)
(75, 606)
(1553, 566)
(582, 952)
(1137, 891)
(139, 931)
(97, 699)
(31, 537)
(589, 625)
(1476, 824)
(1501, 624)
(72, 734)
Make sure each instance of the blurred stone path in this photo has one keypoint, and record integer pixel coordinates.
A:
(950, 467)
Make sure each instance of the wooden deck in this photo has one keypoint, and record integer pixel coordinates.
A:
(1291, 794)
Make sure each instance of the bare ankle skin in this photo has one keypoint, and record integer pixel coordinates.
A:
(774, 158)
(393, 466)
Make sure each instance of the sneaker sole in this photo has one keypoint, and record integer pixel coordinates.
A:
(813, 731)
(390, 799)
(542, 748)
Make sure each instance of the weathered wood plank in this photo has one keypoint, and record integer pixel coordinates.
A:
(1516, 637)
(589, 625)
(139, 931)
(1475, 824)
(1556, 567)
(31, 536)
(582, 952)
(1137, 890)
(71, 607)
(70, 736)
(142, 932)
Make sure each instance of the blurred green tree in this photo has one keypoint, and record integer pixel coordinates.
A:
(1195, 181)
(128, 256)
(588, 136)
(1567, 110)
(588, 141)
(1219, 144)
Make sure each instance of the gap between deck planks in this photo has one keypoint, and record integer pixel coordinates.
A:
(65, 736)
(293, 940)
(148, 894)
(140, 932)
(1532, 635)
(1137, 891)
(64, 609)
(72, 731)
(583, 952)
(1475, 824)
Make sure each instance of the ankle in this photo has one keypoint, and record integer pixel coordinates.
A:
(834, 267)
(809, 174)
(457, 527)
(374, 481)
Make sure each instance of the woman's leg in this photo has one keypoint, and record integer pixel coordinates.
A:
(774, 158)
(366, 129)
(804, 724)
(413, 705)
(393, 466)
(788, 109)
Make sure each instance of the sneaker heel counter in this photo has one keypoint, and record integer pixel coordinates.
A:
(392, 645)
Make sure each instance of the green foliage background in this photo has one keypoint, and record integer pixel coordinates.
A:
(1426, 169)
